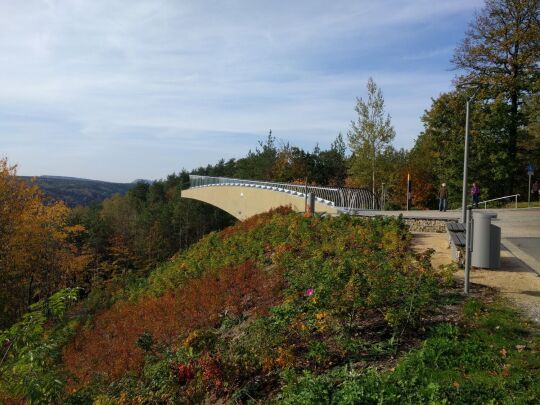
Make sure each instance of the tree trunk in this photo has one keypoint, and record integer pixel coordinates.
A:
(30, 286)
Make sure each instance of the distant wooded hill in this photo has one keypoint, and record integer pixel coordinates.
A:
(74, 191)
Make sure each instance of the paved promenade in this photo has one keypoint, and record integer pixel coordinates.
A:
(518, 278)
(513, 279)
(520, 229)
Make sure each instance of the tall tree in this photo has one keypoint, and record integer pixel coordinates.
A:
(331, 165)
(501, 52)
(437, 156)
(37, 255)
(339, 146)
(258, 165)
(370, 136)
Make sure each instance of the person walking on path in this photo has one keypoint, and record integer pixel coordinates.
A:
(475, 192)
(443, 198)
(534, 191)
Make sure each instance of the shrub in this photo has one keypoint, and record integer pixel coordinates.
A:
(145, 341)
(109, 347)
(29, 350)
(275, 292)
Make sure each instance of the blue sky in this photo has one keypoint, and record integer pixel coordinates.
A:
(119, 90)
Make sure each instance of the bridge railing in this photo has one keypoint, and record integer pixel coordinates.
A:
(346, 198)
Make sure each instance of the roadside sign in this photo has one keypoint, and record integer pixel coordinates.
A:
(530, 170)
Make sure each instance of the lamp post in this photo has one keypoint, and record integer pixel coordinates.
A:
(466, 158)
(465, 165)
(466, 213)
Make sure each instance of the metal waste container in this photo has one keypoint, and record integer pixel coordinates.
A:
(486, 241)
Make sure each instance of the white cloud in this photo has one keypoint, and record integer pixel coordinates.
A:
(103, 77)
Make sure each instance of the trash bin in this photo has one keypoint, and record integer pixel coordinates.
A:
(486, 241)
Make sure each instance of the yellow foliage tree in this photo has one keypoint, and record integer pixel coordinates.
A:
(36, 255)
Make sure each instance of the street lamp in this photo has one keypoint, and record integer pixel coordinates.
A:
(465, 213)
(466, 153)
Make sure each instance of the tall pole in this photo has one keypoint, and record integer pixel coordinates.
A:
(529, 191)
(305, 197)
(408, 189)
(382, 196)
(373, 179)
(465, 166)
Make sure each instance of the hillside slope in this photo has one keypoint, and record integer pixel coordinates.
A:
(280, 308)
(75, 191)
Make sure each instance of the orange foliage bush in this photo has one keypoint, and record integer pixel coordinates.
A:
(109, 348)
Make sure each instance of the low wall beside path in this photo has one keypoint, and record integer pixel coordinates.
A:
(428, 224)
(419, 221)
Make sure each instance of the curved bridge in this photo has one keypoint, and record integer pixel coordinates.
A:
(245, 198)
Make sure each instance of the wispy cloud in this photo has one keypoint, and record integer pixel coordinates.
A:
(178, 84)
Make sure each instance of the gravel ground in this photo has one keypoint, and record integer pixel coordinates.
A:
(513, 279)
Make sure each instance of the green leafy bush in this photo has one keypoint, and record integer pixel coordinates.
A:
(29, 351)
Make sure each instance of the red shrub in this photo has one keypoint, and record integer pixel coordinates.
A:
(109, 347)
(211, 370)
(185, 373)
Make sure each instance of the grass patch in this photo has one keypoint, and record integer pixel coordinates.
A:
(520, 204)
(491, 356)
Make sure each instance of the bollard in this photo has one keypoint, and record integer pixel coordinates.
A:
(310, 209)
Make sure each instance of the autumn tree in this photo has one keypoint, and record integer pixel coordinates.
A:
(294, 165)
(501, 53)
(369, 137)
(37, 256)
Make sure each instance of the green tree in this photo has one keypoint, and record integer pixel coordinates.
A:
(501, 52)
(437, 156)
(258, 165)
(369, 137)
(339, 146)
(529, 147)
(392, 175)
(331, 164)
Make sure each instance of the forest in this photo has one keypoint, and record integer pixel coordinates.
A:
(75, 191)
(146, 297)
